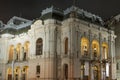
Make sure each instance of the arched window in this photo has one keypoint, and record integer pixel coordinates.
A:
(17, 71)
(66, 45)
(11, 52)
(18, 51)
(84, 46)
(104, 51)
(9, 74)
(24, 73)
(95, 48)
(25, 50)
(39, 46)
(66, 71)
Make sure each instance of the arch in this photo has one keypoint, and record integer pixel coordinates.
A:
(24, 73)
(17, 73)
(18, 51)
(84, 46)
(25, 50)
(11, 53)
(9, 74)
(66, 45)
(104, 50)
(95, 48)
(9, 71)
(26, 46)
(39, 46)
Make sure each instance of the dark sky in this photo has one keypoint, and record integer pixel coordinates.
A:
(31, 9)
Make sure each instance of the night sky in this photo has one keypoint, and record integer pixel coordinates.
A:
(31, 9)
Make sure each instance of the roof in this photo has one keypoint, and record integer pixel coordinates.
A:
(82, 14)
(16, 25)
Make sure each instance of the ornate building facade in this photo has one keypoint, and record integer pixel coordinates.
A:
(115, 24)
(62, 45)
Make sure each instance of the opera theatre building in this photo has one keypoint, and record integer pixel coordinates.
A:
(70, 44)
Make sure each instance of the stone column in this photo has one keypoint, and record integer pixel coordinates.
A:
(90, 44)
(90, 53)
(112, 54)
(20, 74)
(14, 54)
(50, 47)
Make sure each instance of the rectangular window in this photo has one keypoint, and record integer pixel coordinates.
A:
(38, 69)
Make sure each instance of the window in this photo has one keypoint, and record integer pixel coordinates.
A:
(24, 73)
(9, 74)
(24, 56)
(85, 50)
(38, 69)
(16, 74)
(104, 53)
(11, 52)
(84, 46)
(39, 46)
(66, 45)
(25, 50)
(95, 48)
(105, 50)
(95, 51)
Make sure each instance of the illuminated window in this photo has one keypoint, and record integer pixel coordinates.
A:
(11, 52)
(85, 50)
(104, 51)
(24, 56)
(95, 51)
(66, 45)
(9, 72)
(39, 46)
(17, 51)
(26, 50)
(84, 46)
(95, 48)
(17, 74)
(24, 73)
